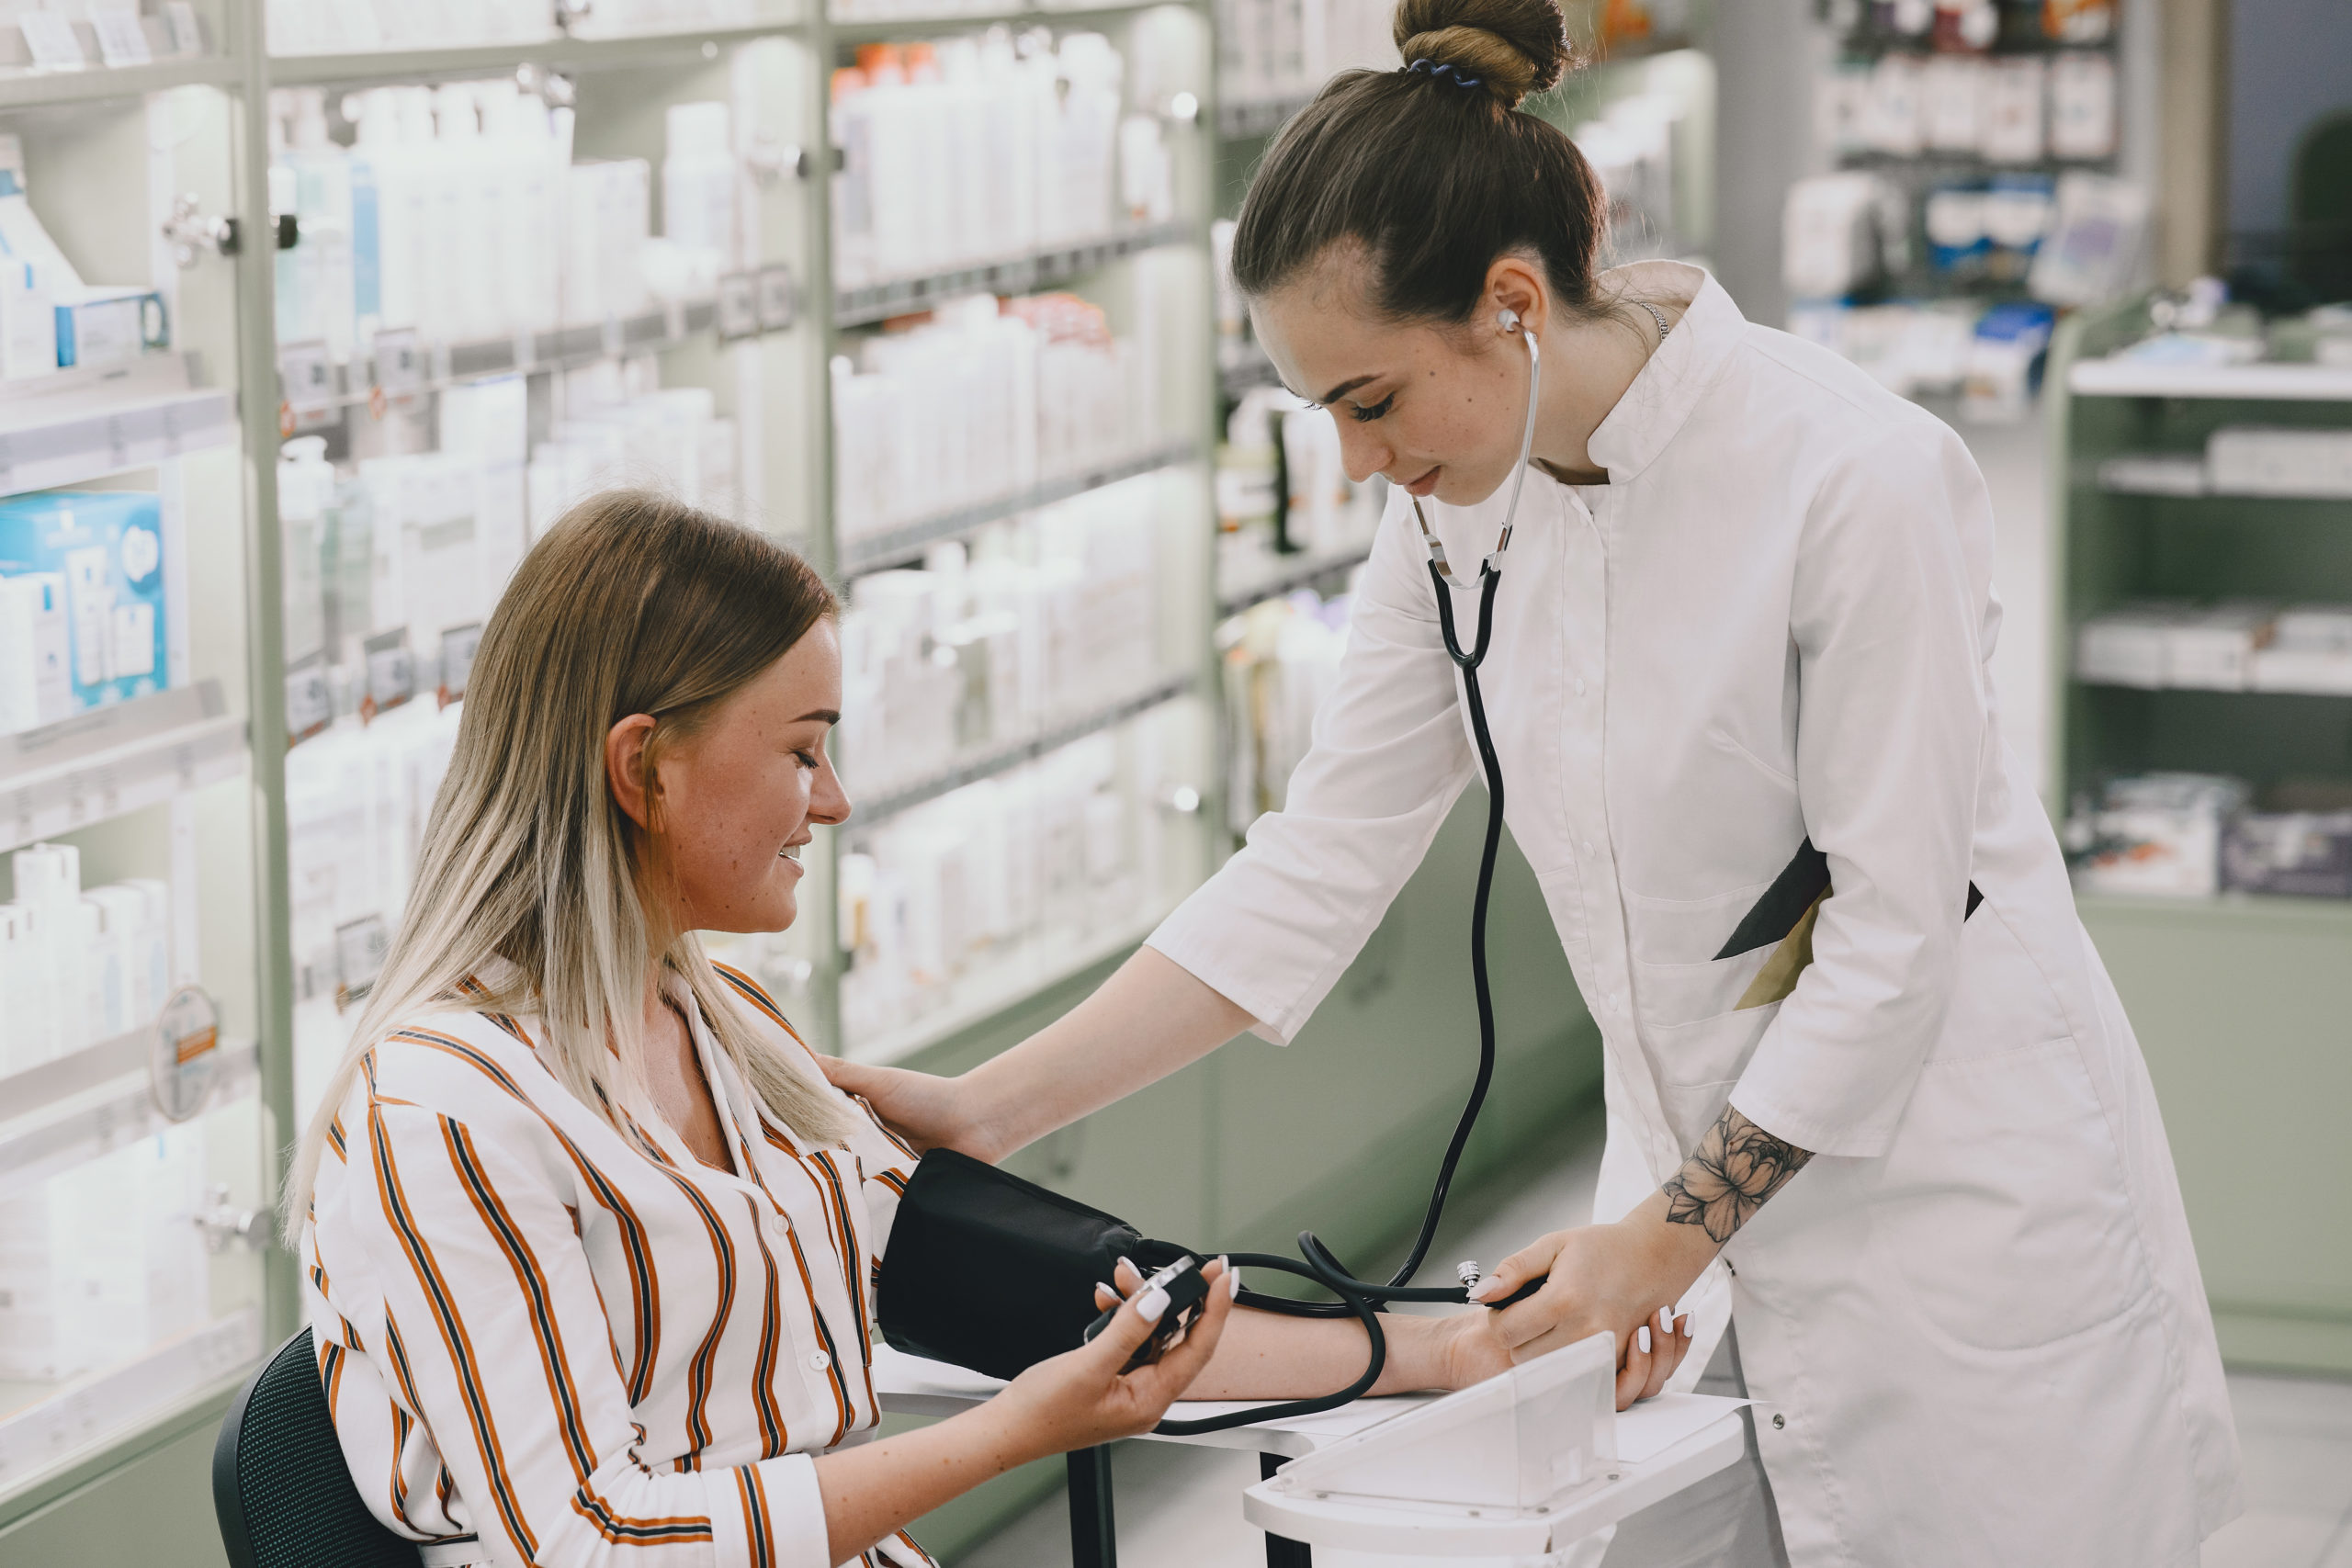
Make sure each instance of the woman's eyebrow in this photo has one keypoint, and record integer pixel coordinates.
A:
(1343, 388)
(825, 715)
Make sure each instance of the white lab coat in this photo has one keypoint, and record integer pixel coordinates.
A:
(1974, 1319)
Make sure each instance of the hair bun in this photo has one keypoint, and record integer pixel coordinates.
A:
(1512, 47)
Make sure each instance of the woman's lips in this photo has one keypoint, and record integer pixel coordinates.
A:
(1426, 483)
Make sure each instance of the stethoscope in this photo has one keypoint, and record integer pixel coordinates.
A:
(1362, 1299)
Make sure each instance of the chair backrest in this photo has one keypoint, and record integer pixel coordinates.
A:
(279, 1482)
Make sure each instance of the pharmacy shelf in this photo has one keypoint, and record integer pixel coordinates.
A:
(2122, 378)
(994, 760)
(2310, 690)
(1282, 574)
(2234, 909)
(87, 429)
(873, 302)
(2181, 478)
(112, 760)
(558, 53)
(36, 1089)
(875, 30)
(895, 546)
(99, 1120)
(24, 89)
(74, 1419)
(564, 348)
(1004, 980)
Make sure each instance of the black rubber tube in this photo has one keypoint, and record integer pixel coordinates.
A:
(1363, 1299)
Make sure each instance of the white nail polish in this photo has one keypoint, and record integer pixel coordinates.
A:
(1642, 1338)
(1666, 1320)
(1151, 1304)
(1232, 1280)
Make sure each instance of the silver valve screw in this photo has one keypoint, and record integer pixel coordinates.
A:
(1469, 1273)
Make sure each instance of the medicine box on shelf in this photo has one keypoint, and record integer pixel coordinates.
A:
(106, 546)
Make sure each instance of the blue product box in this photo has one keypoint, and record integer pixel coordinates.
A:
(108, 548)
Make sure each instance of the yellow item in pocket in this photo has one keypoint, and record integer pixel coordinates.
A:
(1779, 975)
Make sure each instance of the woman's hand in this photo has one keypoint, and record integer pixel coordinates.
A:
(929, 1112)
(1605, 1279)
(1081, 1398)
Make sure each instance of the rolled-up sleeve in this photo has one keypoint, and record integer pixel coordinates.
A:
(1273, 930)
(501, 1345)
(1895, 719)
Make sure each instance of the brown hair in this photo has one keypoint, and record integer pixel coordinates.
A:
(631, 603)
(1433, 169)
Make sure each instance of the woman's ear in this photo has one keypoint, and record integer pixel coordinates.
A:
(1516, 285)
(624, 771)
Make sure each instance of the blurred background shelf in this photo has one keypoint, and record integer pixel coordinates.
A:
(101, 764)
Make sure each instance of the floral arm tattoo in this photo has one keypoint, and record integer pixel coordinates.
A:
(1737, 1165)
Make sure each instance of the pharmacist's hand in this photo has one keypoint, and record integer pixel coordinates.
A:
(929, 1112)
(1081, 1398)
(1605, 1279)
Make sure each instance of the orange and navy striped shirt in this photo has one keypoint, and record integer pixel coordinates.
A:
(586, 1347)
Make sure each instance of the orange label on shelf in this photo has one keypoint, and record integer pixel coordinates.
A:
(196, 1044)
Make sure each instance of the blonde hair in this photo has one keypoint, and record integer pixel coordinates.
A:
(528, 879)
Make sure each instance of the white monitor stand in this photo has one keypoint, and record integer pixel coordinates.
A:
(1526, 1463)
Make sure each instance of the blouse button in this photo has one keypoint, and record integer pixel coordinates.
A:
(779, 1224)
(1579, 687)
(819, 1360)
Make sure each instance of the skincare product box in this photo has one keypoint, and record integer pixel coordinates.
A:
(108, 547)
(2303, 853)
(109, 326)
(2158, 835)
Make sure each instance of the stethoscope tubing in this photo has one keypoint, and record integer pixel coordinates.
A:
(1361, 1299)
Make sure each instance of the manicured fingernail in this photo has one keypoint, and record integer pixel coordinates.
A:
(1682, 1325)
(1232, 1280)
(1151, 1304)
(1666, 1320)
(1642, 1338)
(1484, 1288)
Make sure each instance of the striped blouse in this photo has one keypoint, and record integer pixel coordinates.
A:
(584, 1347)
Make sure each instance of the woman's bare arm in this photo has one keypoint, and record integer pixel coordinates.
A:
(1148, 1019)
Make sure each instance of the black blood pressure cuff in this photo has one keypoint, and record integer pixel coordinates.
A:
(987, 1271)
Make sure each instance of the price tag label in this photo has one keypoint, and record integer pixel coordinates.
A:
(49, 38)
(392, 671)
(310, 703)
(400, 363)
(121, 40)
(459, 645)
(779, 302)
(188, 36)
(308, 377)
(359, 949)
(185, 1055)
(739, 306)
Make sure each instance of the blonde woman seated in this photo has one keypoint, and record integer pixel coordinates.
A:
(590, 1239)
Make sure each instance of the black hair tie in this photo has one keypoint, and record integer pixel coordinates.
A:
(1434, 69)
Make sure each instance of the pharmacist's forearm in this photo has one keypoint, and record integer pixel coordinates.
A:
(876, 1488)
(1148, 1019)
(1266, 1356)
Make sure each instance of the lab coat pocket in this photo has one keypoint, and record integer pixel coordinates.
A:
(1697, 1062)
(2002, 1200)
(2001, 1000)
(1677, 978)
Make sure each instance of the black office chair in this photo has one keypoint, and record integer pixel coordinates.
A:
(279, 1483)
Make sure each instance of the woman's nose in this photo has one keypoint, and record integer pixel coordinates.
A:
(1364, 452)
(829, 802)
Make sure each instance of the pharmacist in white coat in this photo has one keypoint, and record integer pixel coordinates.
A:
(1869, 1087)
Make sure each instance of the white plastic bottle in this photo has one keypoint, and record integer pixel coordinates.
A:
(698, 180)
(49, 886)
